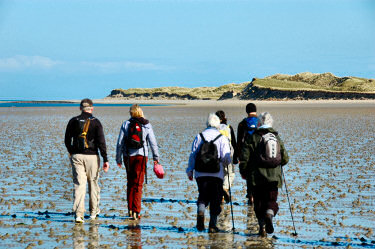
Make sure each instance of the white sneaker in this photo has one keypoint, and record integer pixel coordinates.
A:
(79, 219)
(93, 216)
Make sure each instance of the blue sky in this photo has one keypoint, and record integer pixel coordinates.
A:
(63, 49)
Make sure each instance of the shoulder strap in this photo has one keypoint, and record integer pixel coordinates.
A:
(204, 140)
(86, 126)
(217, 138)
(84, 132)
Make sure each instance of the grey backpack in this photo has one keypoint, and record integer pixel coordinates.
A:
(269, 155)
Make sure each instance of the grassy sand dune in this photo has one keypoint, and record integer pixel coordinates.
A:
(178, 92)
(278, 86)
(311, 81)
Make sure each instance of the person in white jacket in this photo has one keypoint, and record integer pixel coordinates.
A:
(210, 185)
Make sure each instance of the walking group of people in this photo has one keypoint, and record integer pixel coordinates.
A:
(258, 150)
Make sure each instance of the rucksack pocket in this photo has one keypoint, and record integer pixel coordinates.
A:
(268, 154)
(134, 139)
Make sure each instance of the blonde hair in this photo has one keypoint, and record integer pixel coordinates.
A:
(136, 111)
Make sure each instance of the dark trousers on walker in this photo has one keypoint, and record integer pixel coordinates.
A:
(249, 191)
(210, 193)
(265, 197)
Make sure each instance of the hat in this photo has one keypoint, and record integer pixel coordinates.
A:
(86, 103)
(251, 108)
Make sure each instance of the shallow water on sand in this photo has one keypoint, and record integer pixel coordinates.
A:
(330, 180)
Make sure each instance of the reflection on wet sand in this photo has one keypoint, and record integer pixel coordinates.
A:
(79, 235)
(226, 238)
(220, 240)
(254, 240)
(134, 237)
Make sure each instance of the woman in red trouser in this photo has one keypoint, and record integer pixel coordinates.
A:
(136, 136)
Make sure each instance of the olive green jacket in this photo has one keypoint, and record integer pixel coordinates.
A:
(248, 165)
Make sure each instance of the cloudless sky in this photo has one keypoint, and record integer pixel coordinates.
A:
(71, 49)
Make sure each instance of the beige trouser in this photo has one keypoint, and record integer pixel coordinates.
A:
(228, 170)
(85, 169)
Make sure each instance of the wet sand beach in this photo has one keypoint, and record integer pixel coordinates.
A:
(330, 179)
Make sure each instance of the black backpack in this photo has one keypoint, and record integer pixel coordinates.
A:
(81, 143)
(269, 155)
(135, 135)
(207, 159)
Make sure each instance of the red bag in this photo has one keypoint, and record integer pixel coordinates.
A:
(159, 171)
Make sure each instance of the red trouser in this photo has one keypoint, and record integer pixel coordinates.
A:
(135, 169)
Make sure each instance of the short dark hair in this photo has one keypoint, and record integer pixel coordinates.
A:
(251, 108)
(86, 103)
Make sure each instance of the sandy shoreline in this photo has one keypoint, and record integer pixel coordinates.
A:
(208, 103)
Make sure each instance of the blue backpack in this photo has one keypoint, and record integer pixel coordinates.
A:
(252, 124)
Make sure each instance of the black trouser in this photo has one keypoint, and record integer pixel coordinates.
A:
(265, 197)
(210, 193)
(249, 192)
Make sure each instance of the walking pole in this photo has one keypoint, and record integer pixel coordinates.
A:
(230, 200)
(290, 209)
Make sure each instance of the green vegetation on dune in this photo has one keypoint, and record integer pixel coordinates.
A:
(196, 92)
(281, 86)
(313, 82)
(358, 85)
(284, 85)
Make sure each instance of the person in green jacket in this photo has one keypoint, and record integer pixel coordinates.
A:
(264, 181)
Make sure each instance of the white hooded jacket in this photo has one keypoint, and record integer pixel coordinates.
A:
(223, 147)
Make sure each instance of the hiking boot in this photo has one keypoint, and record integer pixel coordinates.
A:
(200, 222)
(79, 219)
(262, 232)
(226, 195)
(94, 215)
(250, 202)
(213, 229)
(269, 225)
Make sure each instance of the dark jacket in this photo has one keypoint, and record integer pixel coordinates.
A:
(234, 145)
(241, 132)
(241, 135)
(95, 133)
(248, 164)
